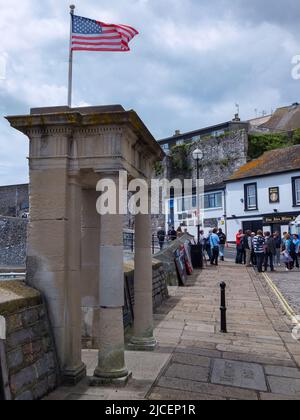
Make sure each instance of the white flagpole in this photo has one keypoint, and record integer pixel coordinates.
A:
(72, 8)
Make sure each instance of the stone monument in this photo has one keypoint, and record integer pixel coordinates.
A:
(70, 246)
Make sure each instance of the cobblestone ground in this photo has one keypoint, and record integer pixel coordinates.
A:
(289, 285)
(257, 359)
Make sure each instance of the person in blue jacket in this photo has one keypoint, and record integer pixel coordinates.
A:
(215, 247)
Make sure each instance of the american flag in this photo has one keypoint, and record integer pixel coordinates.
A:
(92, 35)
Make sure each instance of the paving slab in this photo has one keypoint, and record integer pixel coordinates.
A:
(282, 372)
(207, 389)
(191, 359)
(284, 386)
(165, 394)
(239, 374)
(193, 373)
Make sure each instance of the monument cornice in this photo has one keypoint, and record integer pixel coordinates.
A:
(61, 122)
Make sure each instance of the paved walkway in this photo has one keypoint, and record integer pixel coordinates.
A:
(257, 359)
(289, 285)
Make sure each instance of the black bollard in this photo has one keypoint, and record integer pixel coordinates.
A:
(223, 308)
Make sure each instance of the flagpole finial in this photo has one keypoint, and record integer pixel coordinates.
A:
(72, 8)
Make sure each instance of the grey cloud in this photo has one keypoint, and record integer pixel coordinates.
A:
(191, 63)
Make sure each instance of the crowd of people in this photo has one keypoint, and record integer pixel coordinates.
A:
(171, 236)
(213, 245)
(264, 250)
(260, 250)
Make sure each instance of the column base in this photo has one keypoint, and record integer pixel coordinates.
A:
(74, 376)
(142, 344)
(98, 381)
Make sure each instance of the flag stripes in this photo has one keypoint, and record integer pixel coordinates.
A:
(92, 35)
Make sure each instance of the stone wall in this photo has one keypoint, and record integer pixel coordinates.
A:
(90, 318)
(14, 200)
(13, 233)
(28, 360)
(222, 157)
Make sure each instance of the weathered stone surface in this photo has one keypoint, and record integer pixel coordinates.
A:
(193, 373)
(15, 295)
(30, 360)
(242, 375)
(284, 386)
(208, 389)
(164, 394)
(26, 396)
(13, 234)
(15, 359)
(22, 379)
(191, 359)
(30, 317)
(282, 372)
(14, 322)
(277, 397)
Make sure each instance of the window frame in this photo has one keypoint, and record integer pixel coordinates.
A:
(294, 180)
(246, 196)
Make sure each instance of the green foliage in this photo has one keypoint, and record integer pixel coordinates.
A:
(159, 169)
(261, 143)
(296, 136)
(180, 158)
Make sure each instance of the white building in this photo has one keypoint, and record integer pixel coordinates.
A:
(265, 193)
(262, 195)
(183, 211)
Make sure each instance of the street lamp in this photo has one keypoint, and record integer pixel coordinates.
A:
(198, 156)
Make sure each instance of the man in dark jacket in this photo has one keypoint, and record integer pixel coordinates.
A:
(270, 251)
(259, 249)
(172, 234)
(161, 236)
(223, 239)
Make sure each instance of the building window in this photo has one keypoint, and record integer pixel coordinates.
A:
(219, 133)
(296, 191)
(251, 197)
(165, 147)
(213, 201)
(179, 142)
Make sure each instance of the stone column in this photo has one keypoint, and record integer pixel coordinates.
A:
(111, 362)
(74, 370)
(90, 240)
(143, 338)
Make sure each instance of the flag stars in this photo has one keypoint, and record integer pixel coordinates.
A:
(85, 26)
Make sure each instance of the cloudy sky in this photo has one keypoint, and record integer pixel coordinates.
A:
(192, 62)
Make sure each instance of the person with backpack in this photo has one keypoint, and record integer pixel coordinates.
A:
(295, 250)
(278, 244)
(258, 244)
(223, 239)
(270, 251)
(288, 247)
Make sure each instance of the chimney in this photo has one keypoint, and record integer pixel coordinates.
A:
(236, 118)
(177, 133)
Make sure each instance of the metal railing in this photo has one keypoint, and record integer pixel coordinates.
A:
(156, 245)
